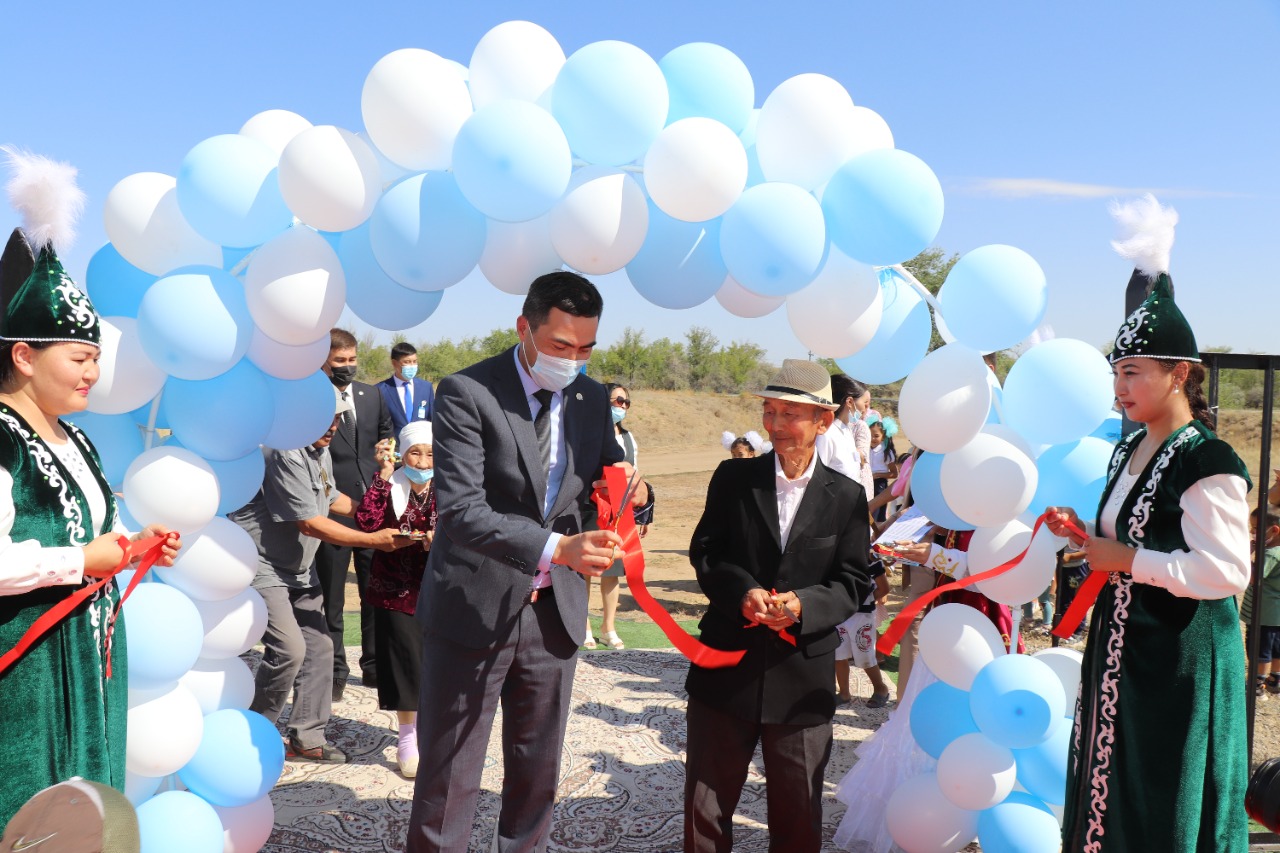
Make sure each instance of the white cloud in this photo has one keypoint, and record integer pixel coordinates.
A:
(1050, 188)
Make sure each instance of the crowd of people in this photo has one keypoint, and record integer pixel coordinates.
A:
(464, 511)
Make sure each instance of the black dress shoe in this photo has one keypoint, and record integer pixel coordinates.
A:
(339, 687)
(369, 680)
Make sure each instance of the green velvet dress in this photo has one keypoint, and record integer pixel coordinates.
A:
(60, 716)
(1159, 757)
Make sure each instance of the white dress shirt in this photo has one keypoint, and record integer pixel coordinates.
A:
(555, 476)
(402, 384)
(790, 493)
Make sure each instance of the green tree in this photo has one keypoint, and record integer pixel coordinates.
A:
(930, 268)
(624, 361)
(700, 350)
(373, 361)
(498, 341)
(665, 367)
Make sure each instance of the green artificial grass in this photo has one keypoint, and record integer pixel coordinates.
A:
(637, 635)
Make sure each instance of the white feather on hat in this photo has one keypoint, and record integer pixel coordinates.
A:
(1146, 233)
(44, 191)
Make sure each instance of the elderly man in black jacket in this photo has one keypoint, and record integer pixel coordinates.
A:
(781, 553)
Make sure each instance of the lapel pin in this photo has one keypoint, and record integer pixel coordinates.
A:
(577, 396)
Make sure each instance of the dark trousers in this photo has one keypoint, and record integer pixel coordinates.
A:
(530, 671)
(719, 749)
(332, 563)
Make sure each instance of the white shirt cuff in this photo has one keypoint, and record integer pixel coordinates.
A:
(543, 577)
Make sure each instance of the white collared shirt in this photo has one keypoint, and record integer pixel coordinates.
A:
(555, 476)
(790, 493)
(401, 384)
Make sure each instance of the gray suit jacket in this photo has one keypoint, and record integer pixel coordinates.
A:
(489, 492)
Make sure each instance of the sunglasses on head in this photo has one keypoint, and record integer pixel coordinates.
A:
(622, 402)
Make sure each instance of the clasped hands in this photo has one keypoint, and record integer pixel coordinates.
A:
(778, 611)
(1103, 555)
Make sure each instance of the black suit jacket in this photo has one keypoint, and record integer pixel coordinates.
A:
(489, 492)
(354, 467)
(736, 548)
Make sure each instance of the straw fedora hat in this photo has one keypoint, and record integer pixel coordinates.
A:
(801, 381)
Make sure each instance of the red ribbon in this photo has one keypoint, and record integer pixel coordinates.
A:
(612, 515)
(903, 620)
(1086, 595)
(146, 551)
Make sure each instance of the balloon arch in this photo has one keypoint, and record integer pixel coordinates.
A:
(220, 283)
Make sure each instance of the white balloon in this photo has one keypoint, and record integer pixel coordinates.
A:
(220, 684)
(246, 829)
(989, 481)
(601, 222)
(740, 302)
(164, 731)
(287, 362)
(275, 128)
(173, 487)
(1065, 664)
(975, 772)
(139, 789)
(922, 820)
(215, 565)
(144, 223)
(233, 626)
(329, 178)
(696, 169)
(516, 59)
(807, 129)
(945, 400)
(515, 253)
(127, 378)
(837, 313)
(957, 641)
(992, 546)
(295, 287)
(413, 104)
(871, 131)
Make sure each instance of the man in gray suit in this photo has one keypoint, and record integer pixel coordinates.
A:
(520, 439)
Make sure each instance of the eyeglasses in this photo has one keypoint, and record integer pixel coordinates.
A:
(622, 402)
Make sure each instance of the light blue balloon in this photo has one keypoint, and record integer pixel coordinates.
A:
(238, 479)
(1111, 429)
(755, 175)
(926, 491)
(1042, 769)
(679, 265)
(229, 192)
(611, 99)
(883, 207)
(708, 80)
(194, 323)
(773, 239)
(1058, 391)
(994, 297)
(1073, 475)
(373, 295)
(231, 258)
(142, 416)
(425, 234)
(1016, 701)
(239, 759)
(304, 411)
(165, 635)
(114, 285)
(512, 161)
(179, 820)
(1019, 824)
(900, 342)
(117, 440)
(223, 418)
(939, 715)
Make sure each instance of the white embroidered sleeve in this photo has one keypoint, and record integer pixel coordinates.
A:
(1215, 524)
(27, 565)
(948, 561)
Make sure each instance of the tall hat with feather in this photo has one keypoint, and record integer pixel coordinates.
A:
(41, 304)
(1155, 327)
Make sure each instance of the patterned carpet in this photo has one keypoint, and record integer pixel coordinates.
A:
(621, 775)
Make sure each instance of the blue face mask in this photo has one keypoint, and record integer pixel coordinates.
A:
(418, 476)
(409, 371)
(618, 413)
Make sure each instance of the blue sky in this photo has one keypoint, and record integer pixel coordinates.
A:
(1033, 115)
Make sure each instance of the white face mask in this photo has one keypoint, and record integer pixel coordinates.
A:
(551, 372)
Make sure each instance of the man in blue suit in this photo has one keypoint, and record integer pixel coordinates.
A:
(408, 398)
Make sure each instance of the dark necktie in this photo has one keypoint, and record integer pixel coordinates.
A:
(542, 426)
(348, 422)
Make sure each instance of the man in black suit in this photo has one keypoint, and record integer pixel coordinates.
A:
(353, 468)
(407, 397)
(519, 440)
(781, 553)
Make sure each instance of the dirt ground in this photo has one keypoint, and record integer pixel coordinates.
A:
(678, 436)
